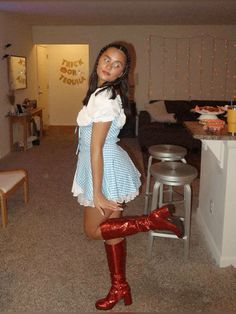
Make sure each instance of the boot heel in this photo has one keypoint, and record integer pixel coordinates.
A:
(127, 299)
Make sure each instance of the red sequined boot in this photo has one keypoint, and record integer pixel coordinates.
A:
(159, 219)
(116, 258)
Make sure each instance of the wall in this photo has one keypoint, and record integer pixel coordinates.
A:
(16, 32)
(98, 36)
(216, 212)
(196, 67)
(68, 82)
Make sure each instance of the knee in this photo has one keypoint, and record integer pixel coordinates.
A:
(91, 234)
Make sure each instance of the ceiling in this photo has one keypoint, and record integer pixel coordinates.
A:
(124, 12)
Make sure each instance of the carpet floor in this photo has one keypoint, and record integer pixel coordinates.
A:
(47, 263)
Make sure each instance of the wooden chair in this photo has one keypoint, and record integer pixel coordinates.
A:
(10, 180)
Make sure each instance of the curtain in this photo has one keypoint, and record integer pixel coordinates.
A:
(202, 67)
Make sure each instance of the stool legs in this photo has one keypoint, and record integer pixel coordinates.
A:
(147, 191)
(161, 194)
(153, 206)
(150, 244)
(170, 190)
(187, 218)
(157, 191)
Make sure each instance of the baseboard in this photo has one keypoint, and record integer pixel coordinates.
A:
(228, 261)
(208, 237)
(221, 261)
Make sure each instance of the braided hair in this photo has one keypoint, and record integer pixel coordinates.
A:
(117, 87)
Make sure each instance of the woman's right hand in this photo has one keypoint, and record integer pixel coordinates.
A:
(103, 204)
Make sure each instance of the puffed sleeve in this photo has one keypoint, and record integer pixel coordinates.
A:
(100, 108)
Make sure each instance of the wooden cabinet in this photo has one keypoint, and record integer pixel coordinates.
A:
(24, 119)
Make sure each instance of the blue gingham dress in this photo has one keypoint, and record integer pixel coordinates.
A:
(121, 179)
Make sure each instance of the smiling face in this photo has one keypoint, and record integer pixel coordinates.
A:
(111, 65)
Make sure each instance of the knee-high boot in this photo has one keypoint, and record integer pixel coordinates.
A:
(159, 219)
(116, 258)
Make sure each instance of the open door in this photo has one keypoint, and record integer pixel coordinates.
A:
(62, 82)
(42, 62)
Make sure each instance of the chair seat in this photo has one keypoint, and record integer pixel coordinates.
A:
(9, 179)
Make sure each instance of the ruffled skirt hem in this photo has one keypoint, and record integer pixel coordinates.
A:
(79, 193)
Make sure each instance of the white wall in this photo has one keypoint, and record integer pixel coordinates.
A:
(98, 36)
(196, 67)
(68, 82)
(216, 212)
(16, 32)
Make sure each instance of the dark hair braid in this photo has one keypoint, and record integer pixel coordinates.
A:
(117, 87)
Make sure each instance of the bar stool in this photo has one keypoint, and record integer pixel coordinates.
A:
(162, 152)
(173, 174)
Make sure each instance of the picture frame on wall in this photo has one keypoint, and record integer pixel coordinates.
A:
(17, 72)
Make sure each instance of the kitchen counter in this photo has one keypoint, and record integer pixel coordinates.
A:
(199, 133)
(216, 213)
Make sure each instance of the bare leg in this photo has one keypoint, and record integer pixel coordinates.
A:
(92, 221)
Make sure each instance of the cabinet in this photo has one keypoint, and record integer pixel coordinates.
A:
(216, 212)
(24, 119)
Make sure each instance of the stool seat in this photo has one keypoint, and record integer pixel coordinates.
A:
(163, 153)
(173, 172)
(170, 152)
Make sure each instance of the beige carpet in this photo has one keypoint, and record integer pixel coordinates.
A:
(48, 265)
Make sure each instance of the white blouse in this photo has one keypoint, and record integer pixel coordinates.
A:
(101, 108)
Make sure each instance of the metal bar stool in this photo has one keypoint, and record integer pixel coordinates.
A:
(162, 153)
(173, 174)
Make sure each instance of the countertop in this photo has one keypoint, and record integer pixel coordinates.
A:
(199, 133)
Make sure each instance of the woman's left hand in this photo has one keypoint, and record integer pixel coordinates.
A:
(103, 204)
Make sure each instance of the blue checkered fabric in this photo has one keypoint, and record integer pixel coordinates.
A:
(121, 179)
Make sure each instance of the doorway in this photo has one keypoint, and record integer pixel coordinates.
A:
(63, 72)
(42, 71)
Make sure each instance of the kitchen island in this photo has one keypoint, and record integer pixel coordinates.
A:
(216, 213)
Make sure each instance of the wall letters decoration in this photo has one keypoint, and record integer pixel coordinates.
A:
(70, 72)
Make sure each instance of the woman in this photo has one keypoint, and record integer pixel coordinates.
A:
(105, 177)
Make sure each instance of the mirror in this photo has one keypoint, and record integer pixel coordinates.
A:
(17, 72)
